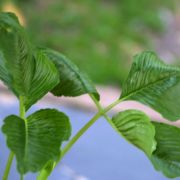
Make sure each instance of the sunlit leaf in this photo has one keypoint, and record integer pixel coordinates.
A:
(136, 127)
(37, 140)
(155, 84)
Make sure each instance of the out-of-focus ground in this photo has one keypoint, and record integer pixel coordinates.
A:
(100, 154)
(84, 102)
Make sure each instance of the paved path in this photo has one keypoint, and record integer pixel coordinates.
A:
(108, 95)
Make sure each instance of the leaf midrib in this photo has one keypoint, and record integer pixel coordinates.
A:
(147, 86)
(26, 138)
(72, 69)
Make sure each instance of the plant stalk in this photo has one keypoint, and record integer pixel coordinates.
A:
(21, 177)
(100, 108)
(8, 166)
(11, 155)
(44, 174)
(86, 127)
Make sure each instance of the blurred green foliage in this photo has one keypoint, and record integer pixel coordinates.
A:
(99, 36)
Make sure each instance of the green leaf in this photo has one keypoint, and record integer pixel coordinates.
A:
(136, 127)
(37, 139)
(4, 74)
(16, 59)
(73, 82)
(166, 158)
(155, 84)
(45, 78)
(26, 71)
(8, 19)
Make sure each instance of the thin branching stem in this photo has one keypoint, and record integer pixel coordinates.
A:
(100, 108)
(11, 155)
(8, 166)
(101, 112)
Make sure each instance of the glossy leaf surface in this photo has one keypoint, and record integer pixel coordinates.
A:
(45, 78)
(16, 62)
(155, 84)
(37, 140)
(136, 127)
(73, 82)
(26, 71)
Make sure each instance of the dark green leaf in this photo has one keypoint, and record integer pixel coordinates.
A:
(73, 82)
(155, 84)
(27, 72)
(37, 140)
(136, 127)
(15, 55)
(45, 78)
(166, 158)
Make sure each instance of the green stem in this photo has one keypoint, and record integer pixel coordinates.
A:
(100, 108)
(21, 177)
(44, 174)
(8, 166)
(79, 134)
(46, 171)
(85, 128)
(11, 155)
(22, 111)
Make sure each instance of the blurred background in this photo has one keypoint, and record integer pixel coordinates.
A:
(101, 37)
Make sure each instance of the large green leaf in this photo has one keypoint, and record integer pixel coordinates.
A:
(73, 82)
(136, 127)
(166, 158)
(45, 78)
(37, 139)
(155, 84)
(15, 55)
(26, 71)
